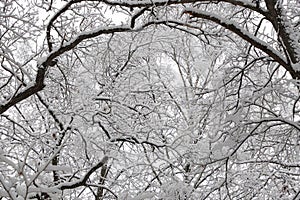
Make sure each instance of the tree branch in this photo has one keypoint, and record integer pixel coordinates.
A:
(27, 92)
(248, 37)
(82, 181)
(40, 77)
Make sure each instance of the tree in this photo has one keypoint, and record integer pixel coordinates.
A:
(151, 99)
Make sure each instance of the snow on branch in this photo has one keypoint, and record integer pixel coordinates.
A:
(31, 89)
(134, 140)
(145, 3)
(80, 37)
(247, 36)
(69, 185)
(38, 85)
(82, 181)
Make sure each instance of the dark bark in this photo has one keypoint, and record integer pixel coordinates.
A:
(82, 182)
(278, 25)
(38, 86)
(277, 19)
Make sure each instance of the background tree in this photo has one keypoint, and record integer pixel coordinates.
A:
(149, 99)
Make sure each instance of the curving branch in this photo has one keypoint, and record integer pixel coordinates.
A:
(147, 3)
(247, 36)
(83, 180)
(27, 92)
(38, 85)
(49, 60)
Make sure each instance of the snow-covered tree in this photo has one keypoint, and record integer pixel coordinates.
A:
(149, 99)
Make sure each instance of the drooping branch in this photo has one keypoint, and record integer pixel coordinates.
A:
(147, 3)
(48, 61)
(54, 53)
(83, 180)
(247, 36)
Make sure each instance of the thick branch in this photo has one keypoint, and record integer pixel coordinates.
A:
(248, 37)
(38, 86)
(104, 172)
(39, 82)
(82, 181)
(147, 3)
(283, 29)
